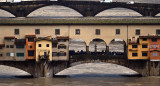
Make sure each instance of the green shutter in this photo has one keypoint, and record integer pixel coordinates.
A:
(20, 54)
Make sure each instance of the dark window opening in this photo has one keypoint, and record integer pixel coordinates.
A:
(117, 31)
(19, 46)
(77, 32)
(134, 54)
(62, 54)
(138, 32)
(30, 53)
(37, 31)
(7, 54)
(98, 32)
(7, 46)
(39, 45)
(145, 46)
(16, 31)
(61, 40)
(31, 39)
(47, 45)
(57, 31)
(134, 46)
(154, 40)
(54, 45)
(20, 54)
(62, 47)
(54, 54)
(157, 32)
(1, 55)
(144, 39)
(30, 46)
(144, 54)
(11, 46)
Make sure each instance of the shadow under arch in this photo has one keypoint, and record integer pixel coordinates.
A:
(98, 69)
(6, 13)
(97, 45)
(113, 12)
(117, 46)
(10, 71)
(55, 7)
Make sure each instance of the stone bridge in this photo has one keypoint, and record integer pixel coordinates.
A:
(48, 69)
(85, 8)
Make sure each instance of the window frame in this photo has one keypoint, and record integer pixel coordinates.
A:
(20, 55)
(39, 45)
(37, 31)
(97, 32)
(138, 32)
(155, 54)
(77, 32)
(144, 45)
(153, 40)
(157, 31)
(57, 32)
(144, 53)
(134, 47)
(33, 52)
(134, 55)
(16, 31)
(47, 45)
(118, 31)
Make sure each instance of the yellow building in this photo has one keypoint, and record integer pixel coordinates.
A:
(44, 48)
(138, 48)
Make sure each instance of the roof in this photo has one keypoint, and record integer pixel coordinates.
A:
(63, 37)
(9, 37)
(150, 36)
(2, 45)
(30, 36)
(44, 38)
(81, 21)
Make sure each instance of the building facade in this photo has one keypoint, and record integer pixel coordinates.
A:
(30, 46)
(74, 30)
(44, 48)
(144, 48)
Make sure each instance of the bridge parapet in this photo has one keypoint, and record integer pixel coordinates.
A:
(86, 8)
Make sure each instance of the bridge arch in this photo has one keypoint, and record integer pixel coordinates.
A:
(96, 68)
(97, 45)
(117, 46)
(6, 11)
(77, 46)
(139, 13)
(77, 13)
(12, 71)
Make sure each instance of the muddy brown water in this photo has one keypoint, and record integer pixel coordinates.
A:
(82, 81)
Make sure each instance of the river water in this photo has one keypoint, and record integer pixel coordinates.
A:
(82, 81)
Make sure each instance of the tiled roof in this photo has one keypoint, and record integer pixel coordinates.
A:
(62, 37)
(30, 36)
(9, 37)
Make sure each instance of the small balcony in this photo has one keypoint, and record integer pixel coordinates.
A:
(43, 56)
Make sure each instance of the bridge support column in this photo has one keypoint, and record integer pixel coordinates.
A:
(87, 50)
(49, 69)
(154, 68)
(148, 12)
(107, 50)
